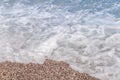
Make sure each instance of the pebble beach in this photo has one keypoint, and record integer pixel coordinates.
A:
(49, 70)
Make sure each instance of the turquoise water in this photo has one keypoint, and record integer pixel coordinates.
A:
(84, 33)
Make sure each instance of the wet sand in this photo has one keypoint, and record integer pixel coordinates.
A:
(49, 70)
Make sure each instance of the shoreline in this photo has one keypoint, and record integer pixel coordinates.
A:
(49, 70)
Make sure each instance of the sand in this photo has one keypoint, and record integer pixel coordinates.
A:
(49, 70)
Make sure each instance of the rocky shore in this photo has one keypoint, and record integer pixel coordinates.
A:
(49, 70)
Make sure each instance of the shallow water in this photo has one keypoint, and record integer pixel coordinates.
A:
(84, 33)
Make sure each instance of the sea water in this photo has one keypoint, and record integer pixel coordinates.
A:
(84, 33)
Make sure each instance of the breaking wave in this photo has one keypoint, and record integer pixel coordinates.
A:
(84, 33)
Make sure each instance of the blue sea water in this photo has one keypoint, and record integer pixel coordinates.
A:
(84, 33)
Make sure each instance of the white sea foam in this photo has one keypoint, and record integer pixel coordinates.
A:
(90, 42)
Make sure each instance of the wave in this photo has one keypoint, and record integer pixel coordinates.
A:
(84, 33)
